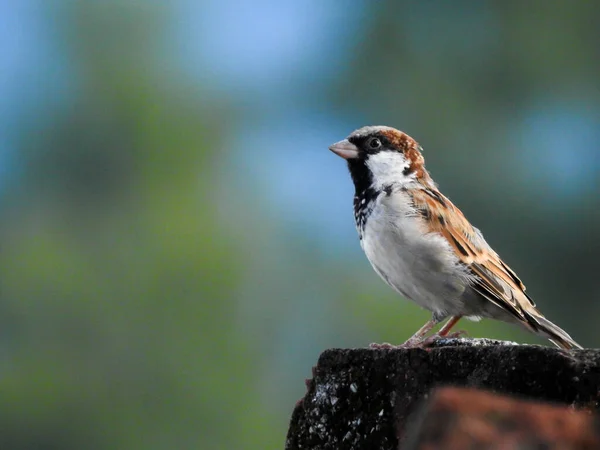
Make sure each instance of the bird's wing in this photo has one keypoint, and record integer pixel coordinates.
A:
(494, 280)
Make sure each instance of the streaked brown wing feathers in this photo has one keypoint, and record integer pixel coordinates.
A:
(494, 279)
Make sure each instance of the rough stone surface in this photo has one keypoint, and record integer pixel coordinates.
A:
(469, 418)
(362, 398)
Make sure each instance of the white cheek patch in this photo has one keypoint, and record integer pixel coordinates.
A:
(388, 168)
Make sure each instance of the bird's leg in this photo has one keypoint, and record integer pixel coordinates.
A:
(445, 331)
(416, 339)
(448, 326)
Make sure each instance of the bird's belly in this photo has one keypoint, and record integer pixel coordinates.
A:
(422, 267)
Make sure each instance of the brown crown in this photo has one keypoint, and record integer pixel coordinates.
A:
(411, 149)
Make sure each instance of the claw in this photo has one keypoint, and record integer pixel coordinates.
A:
(383, 346)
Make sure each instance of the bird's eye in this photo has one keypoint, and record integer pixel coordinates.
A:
(374, 143)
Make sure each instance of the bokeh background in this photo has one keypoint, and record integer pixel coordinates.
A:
(177, 243)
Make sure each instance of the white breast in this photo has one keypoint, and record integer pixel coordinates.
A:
(419, 265)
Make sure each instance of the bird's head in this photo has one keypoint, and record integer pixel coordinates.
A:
(379, 156)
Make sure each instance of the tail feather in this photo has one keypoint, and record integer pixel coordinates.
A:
(554, 333)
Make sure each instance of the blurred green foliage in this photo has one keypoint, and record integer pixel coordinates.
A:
(152, 298)
(118, 279)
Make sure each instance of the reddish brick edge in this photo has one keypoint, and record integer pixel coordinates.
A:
(470, 418)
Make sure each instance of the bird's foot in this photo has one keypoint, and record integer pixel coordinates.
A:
(418, 343)
(410, 343)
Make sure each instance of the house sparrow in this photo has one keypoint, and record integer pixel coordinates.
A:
(424, 247)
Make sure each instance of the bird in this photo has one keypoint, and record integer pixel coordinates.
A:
(423, 246)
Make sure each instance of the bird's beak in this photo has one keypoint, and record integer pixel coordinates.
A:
(345, 149)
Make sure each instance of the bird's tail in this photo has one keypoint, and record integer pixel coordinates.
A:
(557, 335)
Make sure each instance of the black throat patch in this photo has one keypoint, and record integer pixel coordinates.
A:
(364, 202)
(364, 194)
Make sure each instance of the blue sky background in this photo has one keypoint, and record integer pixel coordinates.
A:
(278, 58)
